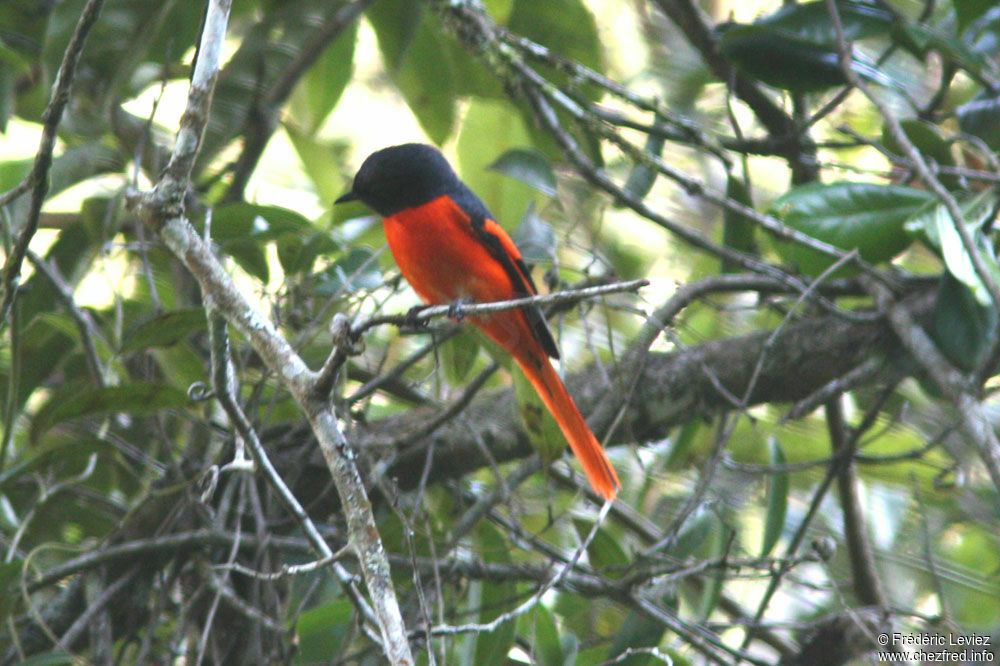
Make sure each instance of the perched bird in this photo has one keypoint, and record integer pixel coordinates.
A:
(450, 249)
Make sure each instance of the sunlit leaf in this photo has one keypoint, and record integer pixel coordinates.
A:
(320, 89)
(409, 39)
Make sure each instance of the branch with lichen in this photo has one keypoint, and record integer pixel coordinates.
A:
(163, 208)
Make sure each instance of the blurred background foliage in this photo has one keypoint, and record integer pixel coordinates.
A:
(113, 512)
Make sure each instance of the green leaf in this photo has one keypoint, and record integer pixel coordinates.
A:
(983, 36)
(967, 11)
(321, 160)
(604, 552)
(737, 229)
(567, 27)
(776, 497)
(638, 631)
(927, 138)
(240, 220)
(781, 60)
(492, 128)
(265, 51)
(242, 230)
(10, 574)
(528, 166)
(75, 401)
(981, 117)
(696, 534)
(321, 630)
(640, 180)
(810, 21)
(164, 330)
(547, 647)
(322, 86)
(418, 61)
(962, 327)
(539, 425)
(459, 355)
(534, 237)
(496, 597)
(975, 211)
(847, 215)
(297, 253)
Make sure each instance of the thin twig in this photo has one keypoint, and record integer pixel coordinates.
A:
(38, 179)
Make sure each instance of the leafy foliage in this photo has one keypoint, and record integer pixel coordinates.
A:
(127, 537)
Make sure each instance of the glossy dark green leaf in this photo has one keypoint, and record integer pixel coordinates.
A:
(528, 166)
(981, 117)
(164, 330)
(569, 29)
(535, 237)
(776, 498)
(321, 88)
(136, 398)
(962, 328)
(848, 215)
(491, 648)
(414, 53)
(781, 60)
(642, 176)
(737, 230)
(927, 138)
(811, 21)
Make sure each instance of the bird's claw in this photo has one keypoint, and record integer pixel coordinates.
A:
(456, 309)
(410, 318)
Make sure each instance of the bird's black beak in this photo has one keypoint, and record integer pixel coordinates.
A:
(346, 196)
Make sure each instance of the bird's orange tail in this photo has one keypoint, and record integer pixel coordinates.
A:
(585, 446)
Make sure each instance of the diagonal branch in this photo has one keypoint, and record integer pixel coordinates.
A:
(38, 180)
(163, 209)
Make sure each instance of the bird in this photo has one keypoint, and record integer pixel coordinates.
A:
(451, 250)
